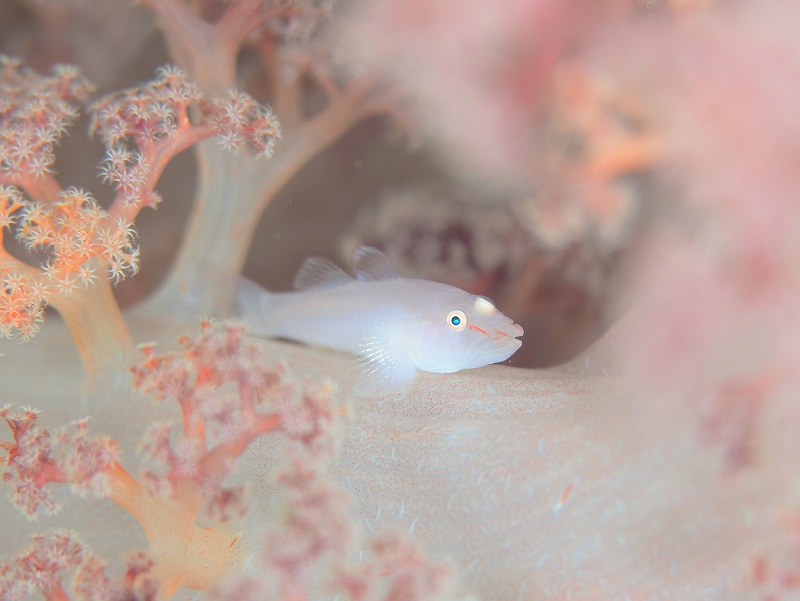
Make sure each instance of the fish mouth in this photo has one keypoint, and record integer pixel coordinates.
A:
(511, 332)
(501, 341)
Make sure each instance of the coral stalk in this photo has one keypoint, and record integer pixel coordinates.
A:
(100, 333)
(188, 555)
(235, 190)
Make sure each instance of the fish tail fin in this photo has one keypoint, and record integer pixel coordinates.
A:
(251, 303)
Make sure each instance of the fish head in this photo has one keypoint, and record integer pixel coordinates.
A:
(453, 330)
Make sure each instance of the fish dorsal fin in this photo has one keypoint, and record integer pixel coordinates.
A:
(371, 264)
(316, 272)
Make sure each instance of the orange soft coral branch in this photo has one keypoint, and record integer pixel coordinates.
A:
(83, 242)
(145, 127)
(11, 202)
(36, 110)
(42, 187)
(29, 463)
(225, 382)
(216, 462)
(185, 555)
(91, 314)
(67, 224)
(97, 327)
(22, 298)
(28, 438)
(154, 159)
(218, 380)
(39, 567)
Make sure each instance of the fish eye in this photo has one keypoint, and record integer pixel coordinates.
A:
(457, 320)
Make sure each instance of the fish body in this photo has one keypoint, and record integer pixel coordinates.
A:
(395, 325)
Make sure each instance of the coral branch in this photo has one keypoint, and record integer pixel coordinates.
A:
(22, 298)
(39, 567)
(82, 241)
(218, 237)
(78, 238)
(215, 464)
(189, 556)
(35, 111)
(188, 33)
(241, 18)
(43, 188)
(155, 117)
(33, 460)
(220, 383)
(208, 51)
(233, 193)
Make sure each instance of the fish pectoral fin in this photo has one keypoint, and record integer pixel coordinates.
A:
(316, 272)
(384, 369)
(370, 264)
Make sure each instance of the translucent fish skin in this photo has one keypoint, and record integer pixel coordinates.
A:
(395, 325)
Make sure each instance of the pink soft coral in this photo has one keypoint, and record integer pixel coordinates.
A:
(229, 394)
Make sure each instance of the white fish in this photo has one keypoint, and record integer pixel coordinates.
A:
(395, 325)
